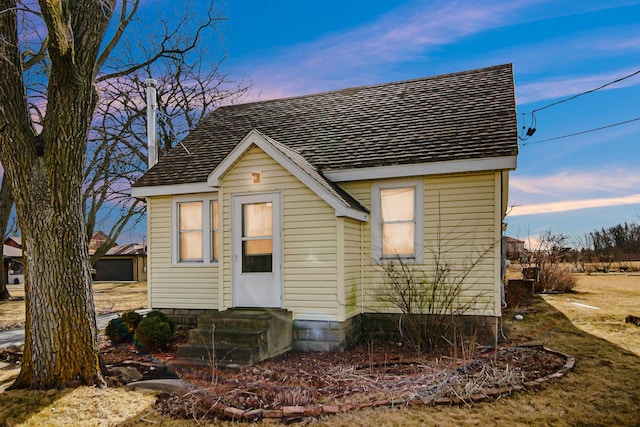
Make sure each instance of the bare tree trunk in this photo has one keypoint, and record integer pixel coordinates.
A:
(6, 203)
(44, 156)
(46, 171)
(64, 351)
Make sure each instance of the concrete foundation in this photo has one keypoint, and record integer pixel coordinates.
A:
(331, 336)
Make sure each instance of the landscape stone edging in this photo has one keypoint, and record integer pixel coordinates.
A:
(289, 414)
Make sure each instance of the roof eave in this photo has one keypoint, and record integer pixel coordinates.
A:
(423, 169)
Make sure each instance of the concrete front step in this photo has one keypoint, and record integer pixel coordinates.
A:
(241, 336)
(243, 318)
(226, 357)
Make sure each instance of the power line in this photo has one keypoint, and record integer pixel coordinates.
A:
(586, 92)
(527, 132)
(582, 132)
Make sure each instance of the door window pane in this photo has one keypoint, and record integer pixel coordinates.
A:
(257, 240)
(257, 220)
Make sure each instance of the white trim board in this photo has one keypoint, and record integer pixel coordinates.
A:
(172, 190)
(422, 169)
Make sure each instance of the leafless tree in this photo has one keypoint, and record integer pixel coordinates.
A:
(117, 147)
(53, 57)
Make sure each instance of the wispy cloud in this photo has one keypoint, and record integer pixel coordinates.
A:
(566, 183)
(407, 33)
(572, 205)
(563, 86)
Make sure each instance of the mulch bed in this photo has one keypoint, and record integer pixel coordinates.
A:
(302, 384)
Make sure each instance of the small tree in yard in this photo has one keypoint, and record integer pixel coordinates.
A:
(429, 301)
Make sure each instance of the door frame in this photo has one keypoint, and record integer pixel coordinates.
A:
(237, 201)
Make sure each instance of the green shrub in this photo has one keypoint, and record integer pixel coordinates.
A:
(132, 319)
(160, 315)
(153, 333)
(118, 331)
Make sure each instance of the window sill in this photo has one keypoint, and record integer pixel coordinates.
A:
(186, 264)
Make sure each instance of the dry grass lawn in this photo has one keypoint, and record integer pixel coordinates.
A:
(599, 306)
(109, 297)
(602, 390)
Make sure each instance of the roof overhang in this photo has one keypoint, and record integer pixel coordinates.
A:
(421, 169)
(171, 190)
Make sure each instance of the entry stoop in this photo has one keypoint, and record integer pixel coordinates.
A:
(242, 336)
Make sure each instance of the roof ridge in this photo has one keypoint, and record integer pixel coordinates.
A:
(371, 86)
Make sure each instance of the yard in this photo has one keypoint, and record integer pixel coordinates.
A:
(109, 297)
(603, 388)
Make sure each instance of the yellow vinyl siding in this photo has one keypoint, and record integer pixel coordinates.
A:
(461, 224)
(353, 267)
(309, 232)
(327, 267)
(173, 286)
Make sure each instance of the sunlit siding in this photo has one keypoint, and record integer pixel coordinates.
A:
(461, 226)
(173, 286)
(309, 228)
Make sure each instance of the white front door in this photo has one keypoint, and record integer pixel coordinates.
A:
(257, 251)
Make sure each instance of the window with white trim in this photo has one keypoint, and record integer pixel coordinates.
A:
(397, 220)
(195, 230)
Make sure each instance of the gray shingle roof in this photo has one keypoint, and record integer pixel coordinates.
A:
(459, 116)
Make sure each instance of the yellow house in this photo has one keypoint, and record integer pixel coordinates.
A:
(297, 204)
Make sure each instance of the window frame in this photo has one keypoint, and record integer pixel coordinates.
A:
(207, 230)
(376, 220)
(214, 232)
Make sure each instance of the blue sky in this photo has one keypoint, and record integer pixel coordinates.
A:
(558, 48)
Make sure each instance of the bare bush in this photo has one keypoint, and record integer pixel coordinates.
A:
(430, 302)
(546, 258)
(555, 277)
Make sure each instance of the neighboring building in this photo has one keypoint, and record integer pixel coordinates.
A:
(515, 248)
(296, 203)
(97, 240)
(122, 263)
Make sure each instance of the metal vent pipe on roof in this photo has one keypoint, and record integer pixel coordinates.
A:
(152, 105)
